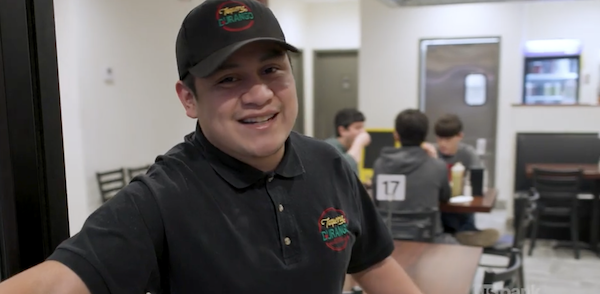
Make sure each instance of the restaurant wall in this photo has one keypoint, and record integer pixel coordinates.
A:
(388, 80)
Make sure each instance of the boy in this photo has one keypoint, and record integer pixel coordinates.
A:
(449, 134)
(350, 136)
(426, 177)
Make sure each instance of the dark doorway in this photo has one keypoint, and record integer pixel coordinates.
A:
(33, 200)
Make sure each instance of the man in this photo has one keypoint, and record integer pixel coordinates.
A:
(350, 136)
(242, 205)
(426, 177)
(449, 134)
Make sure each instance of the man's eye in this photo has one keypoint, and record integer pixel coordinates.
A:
(271, 70)
(227, 80)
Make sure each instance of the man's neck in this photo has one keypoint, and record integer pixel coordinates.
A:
(265, 164)
(343, 142)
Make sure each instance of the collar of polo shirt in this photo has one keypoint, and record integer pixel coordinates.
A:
(241, 175)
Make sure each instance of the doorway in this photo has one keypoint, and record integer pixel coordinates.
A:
(335, 87)
(298, 70)
(460, 76)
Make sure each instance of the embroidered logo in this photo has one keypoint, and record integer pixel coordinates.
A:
(234, 16)
(333, 227)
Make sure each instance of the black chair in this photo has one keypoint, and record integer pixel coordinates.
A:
(507, 276)
(133, 172)
(413, 225)
(110, 183)
(558, 204)
(525, 206)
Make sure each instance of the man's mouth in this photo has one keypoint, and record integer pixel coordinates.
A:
(258, 120)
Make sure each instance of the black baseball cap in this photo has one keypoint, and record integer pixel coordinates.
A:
(215, 29)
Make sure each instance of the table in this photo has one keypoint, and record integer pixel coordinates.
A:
(590, 172)
(439, 268)
(483, 203)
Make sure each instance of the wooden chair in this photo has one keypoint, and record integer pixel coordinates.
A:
(525, 207)
(558, 204)
(132, 172)
(507, 276)
(110, 183)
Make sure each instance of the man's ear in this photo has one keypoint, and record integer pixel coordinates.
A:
(340, 130)
(461, 135)
(396, 136)
(187, 99)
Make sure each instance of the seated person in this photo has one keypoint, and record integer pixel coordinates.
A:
(449, 132)
(350, 136)
(350, 139)
(426, 177)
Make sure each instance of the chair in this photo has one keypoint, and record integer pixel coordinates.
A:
(133, 172)
(110, 182)
(507, 276)
(525, 207)
(414, 225)
(558, 199)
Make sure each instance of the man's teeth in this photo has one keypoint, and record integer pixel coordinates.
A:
(258, 119)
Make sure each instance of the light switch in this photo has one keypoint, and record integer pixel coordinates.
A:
(109, 75)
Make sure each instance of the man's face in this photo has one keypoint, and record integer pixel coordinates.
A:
(449, 145)
(248, 107)
(350, 133)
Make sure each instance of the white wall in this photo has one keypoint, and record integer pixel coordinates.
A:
(331, 25)
(131, 121)
(66, 18)
(389, 62)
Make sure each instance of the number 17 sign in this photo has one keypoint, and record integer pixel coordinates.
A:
(391, 187)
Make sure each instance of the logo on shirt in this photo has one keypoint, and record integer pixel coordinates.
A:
(234, 16)
(333, 227)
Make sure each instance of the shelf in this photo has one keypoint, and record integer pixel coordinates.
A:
(550, 99)
(554, 77)
(554, 105)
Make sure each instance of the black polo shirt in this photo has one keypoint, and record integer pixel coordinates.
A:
(202, 222)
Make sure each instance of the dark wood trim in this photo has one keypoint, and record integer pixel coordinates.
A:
(32, 133)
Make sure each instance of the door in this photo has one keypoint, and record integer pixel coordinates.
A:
(335, 86)
(297, 68)
(460, 76)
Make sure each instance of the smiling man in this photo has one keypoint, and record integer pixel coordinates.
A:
(243, 205)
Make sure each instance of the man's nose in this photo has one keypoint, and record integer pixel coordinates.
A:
(258, 94)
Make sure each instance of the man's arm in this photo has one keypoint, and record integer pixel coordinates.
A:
(386, 277)
(115, 252)
(355, 152)
(50, 277)
(473, 157)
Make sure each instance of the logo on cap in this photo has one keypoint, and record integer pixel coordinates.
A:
(234, 16)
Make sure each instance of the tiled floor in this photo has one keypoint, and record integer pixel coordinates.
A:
(548, 270)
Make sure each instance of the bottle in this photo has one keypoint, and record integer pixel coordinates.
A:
(467, 189)
(458, 173)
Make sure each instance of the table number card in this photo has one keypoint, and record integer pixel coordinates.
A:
(391, 187)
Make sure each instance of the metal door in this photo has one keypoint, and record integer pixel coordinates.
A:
(460, 76)
(336, 87)
(296, 61)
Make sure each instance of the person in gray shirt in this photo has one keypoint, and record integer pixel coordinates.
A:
(426, 176)
(350, 136)
(449, 134)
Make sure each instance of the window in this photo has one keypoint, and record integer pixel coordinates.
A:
(475, 89)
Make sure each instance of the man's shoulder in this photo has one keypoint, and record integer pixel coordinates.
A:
(466, 148)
